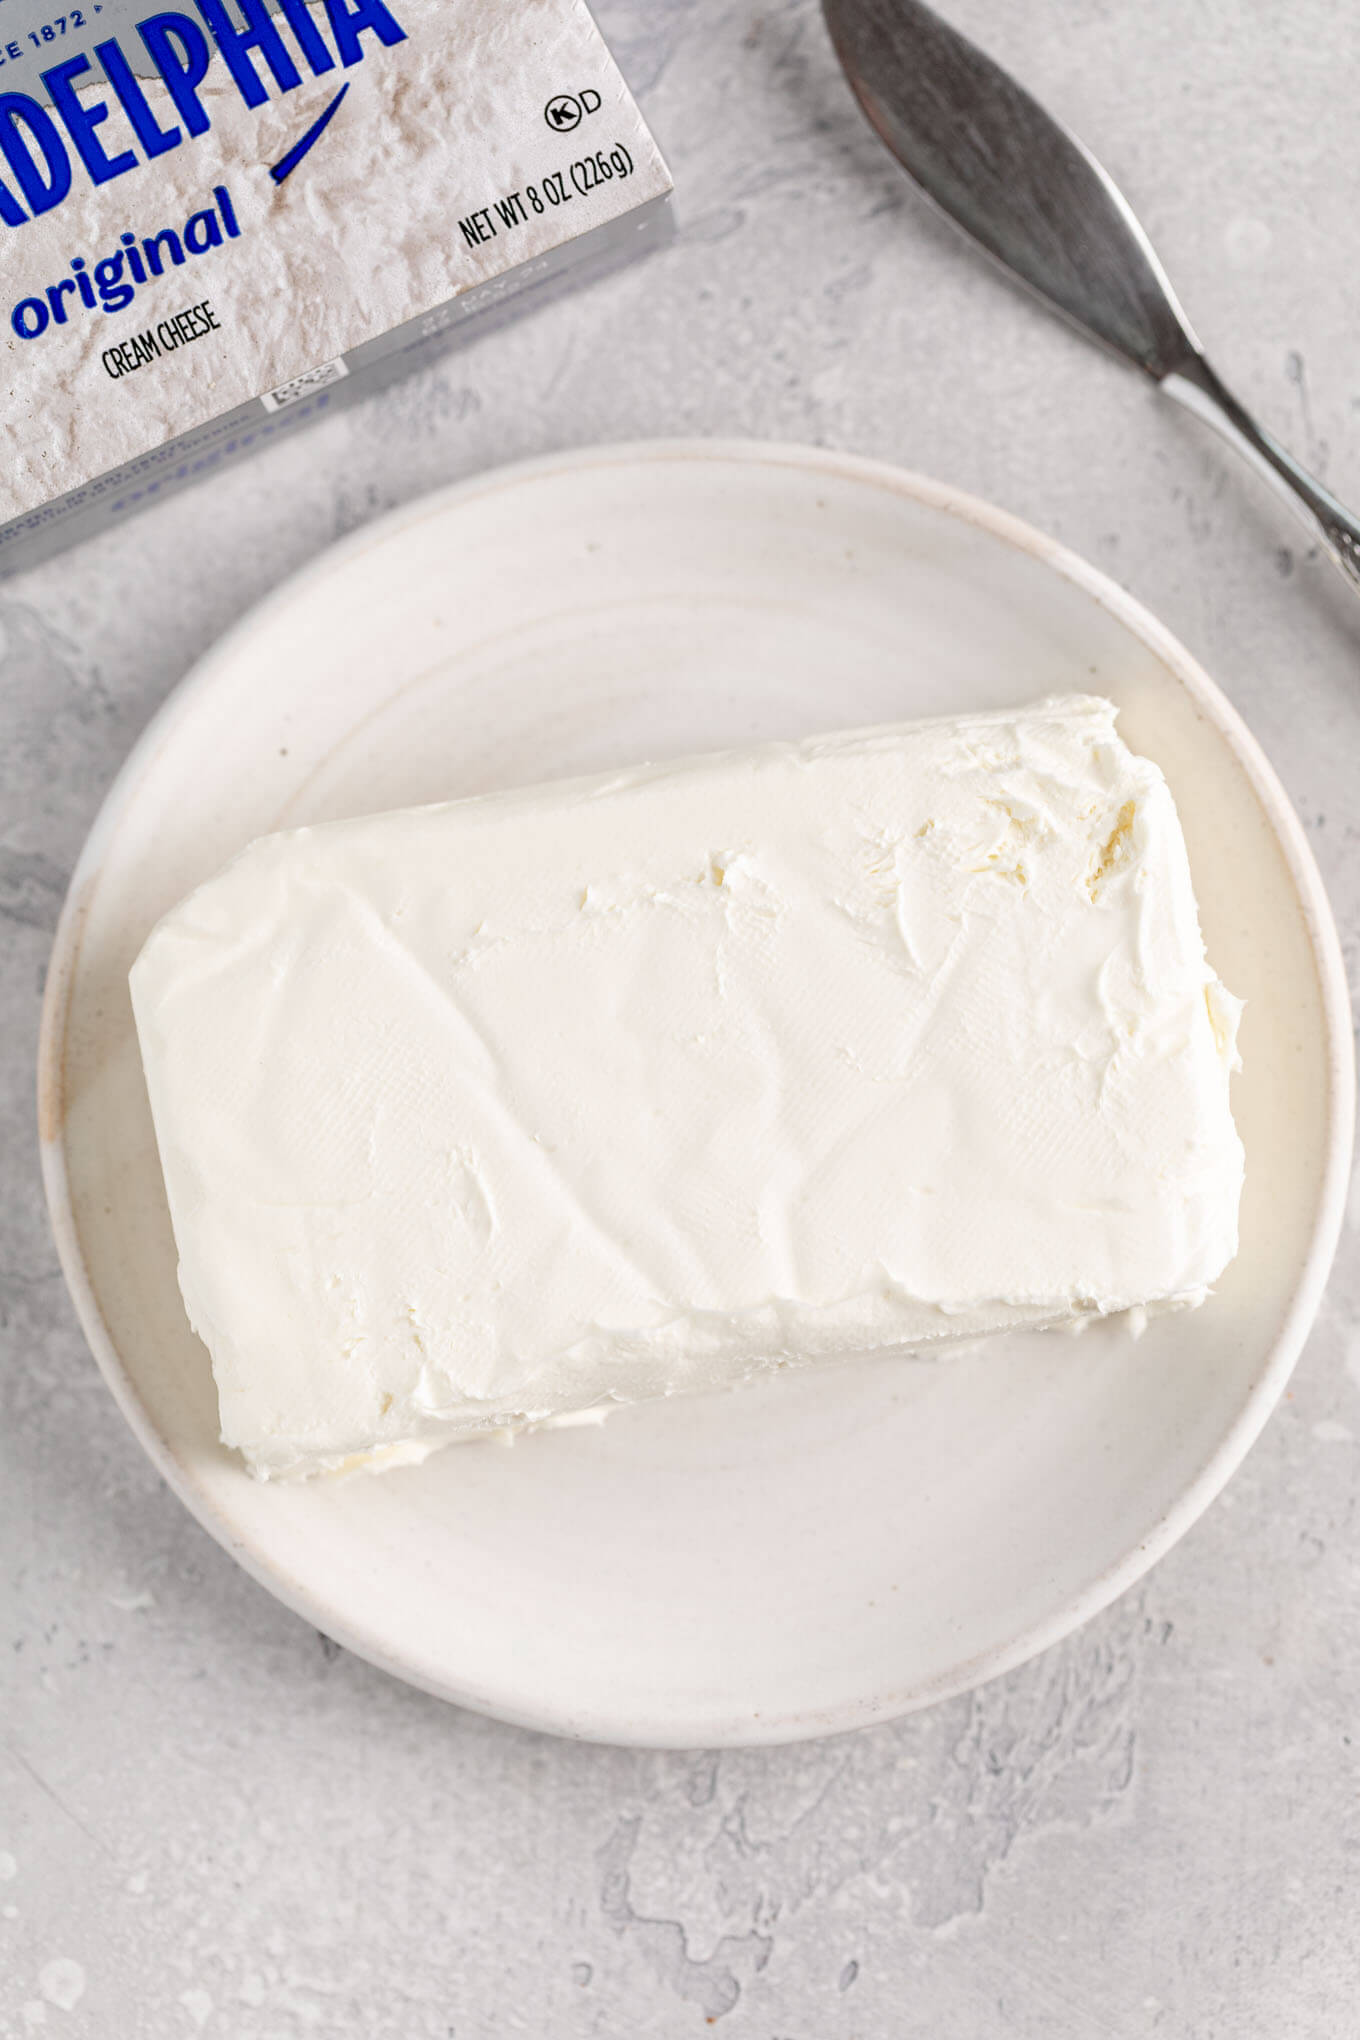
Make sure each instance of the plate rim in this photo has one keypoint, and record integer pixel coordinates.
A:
(1334, 998)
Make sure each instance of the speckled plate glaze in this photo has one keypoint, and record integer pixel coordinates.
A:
(831, 1548)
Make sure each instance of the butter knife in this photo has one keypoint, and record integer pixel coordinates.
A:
(1035, 198)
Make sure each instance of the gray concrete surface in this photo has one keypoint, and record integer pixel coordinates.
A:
(210, 1820)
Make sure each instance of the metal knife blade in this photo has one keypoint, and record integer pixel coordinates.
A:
(1010, 175)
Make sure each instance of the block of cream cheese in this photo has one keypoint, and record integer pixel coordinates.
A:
(485, 1114)
(217, 221)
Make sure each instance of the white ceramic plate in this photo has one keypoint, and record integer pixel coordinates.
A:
(826, 1549)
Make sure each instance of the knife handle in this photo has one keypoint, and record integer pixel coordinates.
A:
(1194, 384)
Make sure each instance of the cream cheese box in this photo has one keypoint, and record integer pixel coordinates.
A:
(218, 219)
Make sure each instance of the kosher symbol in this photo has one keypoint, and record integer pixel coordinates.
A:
(563, 112)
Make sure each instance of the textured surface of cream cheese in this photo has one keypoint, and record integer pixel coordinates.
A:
(211, 218)
(483, 1114)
